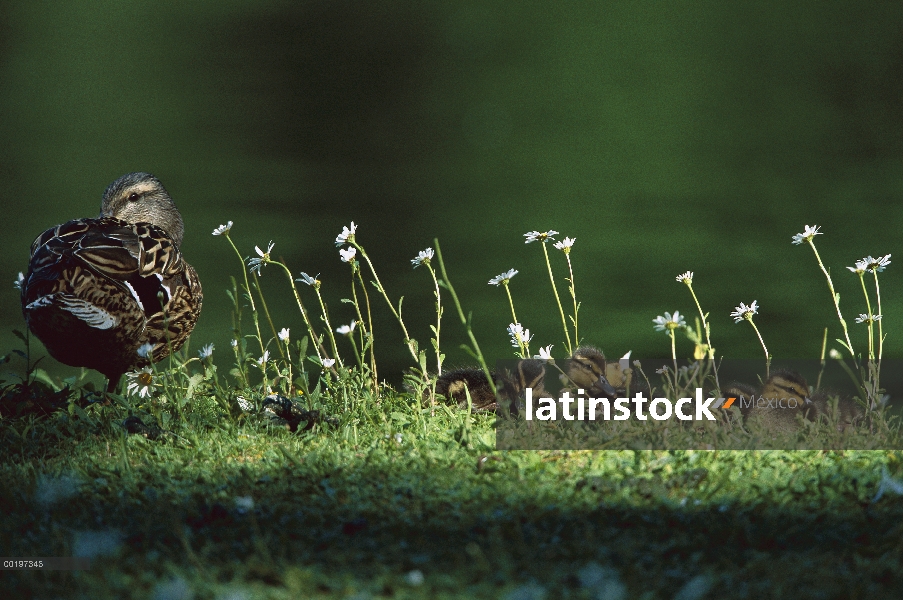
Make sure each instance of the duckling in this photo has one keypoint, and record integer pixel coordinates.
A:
(528, 373)
(452, 385)
(844, 412)
(586, 369)
(99, 289)
(782, 397)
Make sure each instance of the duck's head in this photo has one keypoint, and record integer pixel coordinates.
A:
(787, 384)
(530, 374)
(141, 198)
(586, 369)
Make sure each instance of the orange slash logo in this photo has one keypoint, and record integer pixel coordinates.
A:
(728, 403)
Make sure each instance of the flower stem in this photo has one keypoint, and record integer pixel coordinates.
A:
(266, 311)
(767, 355)
(573, 291)
(357, 355)
(880, 326)
(511, 303)
(520, 342)
(438, 318)
(564, 322)
(371, 339)
(708, 340)
(407, 338)
(360, 319)
(476, 353)
(871, 323)
(335, 348)
(318, 347)
(248, 289)
(674, 358)
(835, 298)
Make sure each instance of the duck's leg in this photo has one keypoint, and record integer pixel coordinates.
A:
(112, 384)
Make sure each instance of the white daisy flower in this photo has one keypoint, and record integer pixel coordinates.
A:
(545, 353)
(347, 254)
(346, 329)
(262, 361)
(685, 277)
(141, 382)
(346, 235)
(205, 352)
(283, 335)
(807, 234)
(565, 244)
(504, 278)
(624, 361)
(223, 229)
(860, 266)
(235, 343)
(536, 236)
(423, 258)
(262, 259)
(867, 319)
(328, 362)
(312, 281)
(519, 335)
(745, 312)
(877, 264)
(145, 350)
(669, 322)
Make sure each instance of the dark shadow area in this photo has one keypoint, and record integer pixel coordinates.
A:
(744, 550)
(327, 82)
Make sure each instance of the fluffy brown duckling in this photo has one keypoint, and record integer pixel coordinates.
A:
(587, 369)
(791, 387)
(100, 289)
(842, 411)
(584, 369)
(776, 404)
(527, 373)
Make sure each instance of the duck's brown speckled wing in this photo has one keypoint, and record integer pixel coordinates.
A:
(98, 289)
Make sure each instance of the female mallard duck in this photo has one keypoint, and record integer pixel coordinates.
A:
(98, 290)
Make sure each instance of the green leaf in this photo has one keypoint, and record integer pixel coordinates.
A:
(400, 418)
(467, 349)
(193, 382)
(843, 344)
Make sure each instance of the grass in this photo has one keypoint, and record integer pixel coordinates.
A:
(242, 509)
(400, 495)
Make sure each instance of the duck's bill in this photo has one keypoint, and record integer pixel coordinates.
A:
(602, 385)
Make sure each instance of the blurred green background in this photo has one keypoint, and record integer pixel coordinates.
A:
(664, 136)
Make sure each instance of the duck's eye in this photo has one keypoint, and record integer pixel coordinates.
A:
(134, 197)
